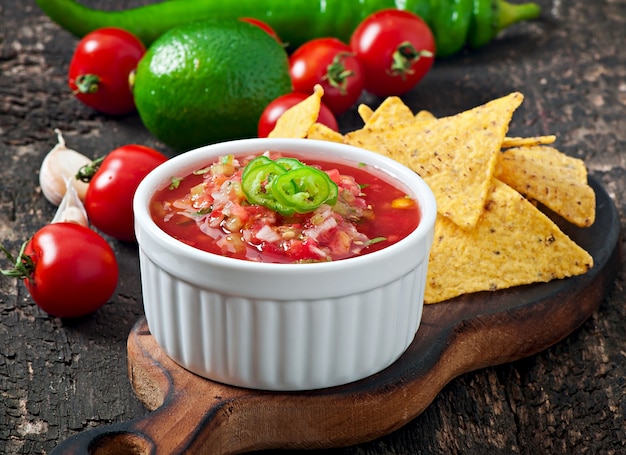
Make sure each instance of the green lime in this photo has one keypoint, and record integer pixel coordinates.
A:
(208, 82)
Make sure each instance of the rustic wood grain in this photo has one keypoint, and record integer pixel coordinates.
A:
(60, 378)
(462, 335)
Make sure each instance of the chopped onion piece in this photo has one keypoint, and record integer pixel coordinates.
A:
(267, 234)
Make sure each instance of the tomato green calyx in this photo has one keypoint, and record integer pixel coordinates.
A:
(23, 264)
(404, 57)
(287, 185)
(87, 83)
(86, 173)
(336, 73)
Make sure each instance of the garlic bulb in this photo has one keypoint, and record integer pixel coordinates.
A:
(71, 208)
(61, 163)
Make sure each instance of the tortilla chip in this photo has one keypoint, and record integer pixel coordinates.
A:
(324, 133)
(558, 181)
(392, 111)
(458, 161)
(488, 236)
(455, 155)
(424, 116)
(385, 126)
(401, 114)
(365, 112)
(513, 244)
(296, 121)
(527, 141)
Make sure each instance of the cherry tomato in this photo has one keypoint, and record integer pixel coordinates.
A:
(100, 69)
(263, 25)
(109, 198)
(396, 49)
(332, 64)
(276, 108)
(71, 270)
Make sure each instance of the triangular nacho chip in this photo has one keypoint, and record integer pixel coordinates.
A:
(513, 244)
(455, 155)
(296, 121)
(558, 181)
(488, 236)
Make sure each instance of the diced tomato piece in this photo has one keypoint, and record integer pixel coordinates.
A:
(299, 250)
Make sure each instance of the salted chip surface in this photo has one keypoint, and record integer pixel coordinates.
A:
(323, 133)
(425, 115)
(296, 121)
(386, 129)
(514, 243)
(391, 112)
(558, 181)
(455, 155)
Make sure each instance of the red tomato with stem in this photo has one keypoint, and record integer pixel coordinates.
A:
(396, 49)
(332, 64)
(68, 269)
(101, 68)
(264, 26)
(109, 197)
(275, 109)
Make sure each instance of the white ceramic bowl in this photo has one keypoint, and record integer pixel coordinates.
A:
(282, 326)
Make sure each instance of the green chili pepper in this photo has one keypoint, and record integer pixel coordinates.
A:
(305, 189)
(258, 161)
(449, 22)
(454, 23)
(287, 185)
(289, 163)
(482, 24)
(257, 183)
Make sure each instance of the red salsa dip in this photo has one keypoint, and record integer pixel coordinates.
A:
(209, 210)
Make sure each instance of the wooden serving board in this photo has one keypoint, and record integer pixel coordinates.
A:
(196, 415)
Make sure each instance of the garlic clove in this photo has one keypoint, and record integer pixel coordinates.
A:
(59, 164)
(71, 208)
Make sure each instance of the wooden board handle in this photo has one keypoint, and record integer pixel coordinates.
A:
(175, 413)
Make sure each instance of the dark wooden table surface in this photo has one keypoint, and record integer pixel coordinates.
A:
(59, 378)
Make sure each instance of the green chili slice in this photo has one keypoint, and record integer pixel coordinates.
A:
(287, 185)
(257, 185)
(305, 189)
(289, 163)
(258, 161)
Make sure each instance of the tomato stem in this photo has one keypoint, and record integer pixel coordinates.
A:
(337, 74)
(86, 173)
(23, 265)
(87, 83)
(405, 56)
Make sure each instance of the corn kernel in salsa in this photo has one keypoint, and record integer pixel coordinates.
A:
(208, 209)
